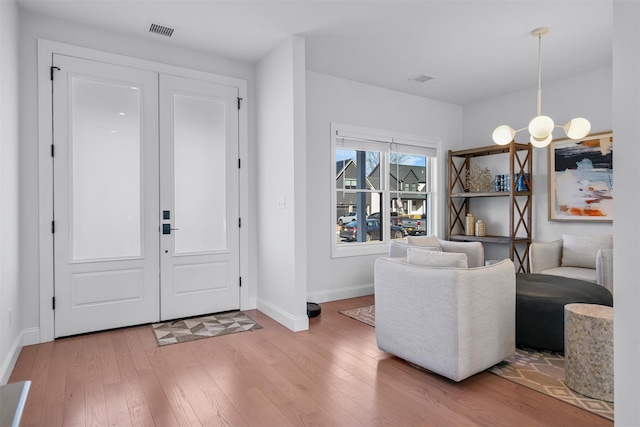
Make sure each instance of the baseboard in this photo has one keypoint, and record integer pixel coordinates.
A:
(342, 293)
(25, 337)
(295, 323)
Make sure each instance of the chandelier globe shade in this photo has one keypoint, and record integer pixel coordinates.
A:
(541, 127)
(503, 135)
(540, 142)
(577, 128)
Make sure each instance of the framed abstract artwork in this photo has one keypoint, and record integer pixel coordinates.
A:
(581, 178)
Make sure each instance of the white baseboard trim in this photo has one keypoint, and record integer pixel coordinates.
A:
(25, 337)
(342, 293)
(295, 323)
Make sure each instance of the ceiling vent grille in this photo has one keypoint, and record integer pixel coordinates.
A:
(160, 29)
(422, 78)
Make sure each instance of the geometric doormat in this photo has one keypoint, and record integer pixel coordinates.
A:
(195, 328)
(539, 370)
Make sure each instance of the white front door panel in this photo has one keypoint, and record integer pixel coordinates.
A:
(199, 190)
(106, 198)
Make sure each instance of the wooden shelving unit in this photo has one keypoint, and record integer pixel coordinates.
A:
(519, 204)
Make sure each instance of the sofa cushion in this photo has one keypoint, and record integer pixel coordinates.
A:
(430, 240)
(435, 258)
(581, 251)
(586, 274)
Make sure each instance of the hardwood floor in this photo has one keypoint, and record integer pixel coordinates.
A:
(331, 375)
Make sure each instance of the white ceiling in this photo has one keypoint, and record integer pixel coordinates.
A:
(475, 49)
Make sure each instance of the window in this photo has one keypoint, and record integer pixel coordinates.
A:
(350, 183)
(383, 182)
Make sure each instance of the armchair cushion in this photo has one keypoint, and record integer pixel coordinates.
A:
(581, 251)
(430, 258)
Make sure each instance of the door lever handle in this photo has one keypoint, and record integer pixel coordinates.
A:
(166, 229)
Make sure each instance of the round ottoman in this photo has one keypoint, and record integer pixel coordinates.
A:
(540, 301)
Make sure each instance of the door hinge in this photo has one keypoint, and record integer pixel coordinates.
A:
(239, 222)
(238, 163)
(53, 67)
(239, 101)
(53, 150)
(53, 227)
(240, 281)
(53, 303)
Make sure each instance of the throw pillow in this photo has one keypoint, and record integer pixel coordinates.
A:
(430, 240)
(398, 249)
(581, 251)
(429, 258)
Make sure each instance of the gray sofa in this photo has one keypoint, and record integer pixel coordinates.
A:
(452, 321)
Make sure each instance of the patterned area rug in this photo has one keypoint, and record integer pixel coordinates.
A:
(363, 314)
(539, 370)
(195, 328)
(543, 371)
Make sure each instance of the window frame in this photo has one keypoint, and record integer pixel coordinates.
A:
(385, 142)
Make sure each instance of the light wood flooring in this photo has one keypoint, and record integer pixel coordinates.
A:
(331, 375)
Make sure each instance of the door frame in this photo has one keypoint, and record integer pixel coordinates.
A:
(46, 49)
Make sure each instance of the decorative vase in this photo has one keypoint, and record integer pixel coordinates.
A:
(469, 228)
(481, 230)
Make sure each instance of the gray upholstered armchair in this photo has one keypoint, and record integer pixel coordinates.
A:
(433, 311)
(455, 322)
(588, 258)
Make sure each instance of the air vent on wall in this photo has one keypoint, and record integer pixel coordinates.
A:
(163, 30)
(421, 78)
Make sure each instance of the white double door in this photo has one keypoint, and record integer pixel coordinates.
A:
(145, 196)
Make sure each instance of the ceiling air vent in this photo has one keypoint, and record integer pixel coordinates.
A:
(163, 30)
(421, 78)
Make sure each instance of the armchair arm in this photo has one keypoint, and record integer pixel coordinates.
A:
(545, 255)
(604, 268)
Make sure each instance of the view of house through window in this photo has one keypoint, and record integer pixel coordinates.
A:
(384, 185)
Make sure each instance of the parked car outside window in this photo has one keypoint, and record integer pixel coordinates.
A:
(349, 231)
(415, 224)
(351, 216)
(395, 218)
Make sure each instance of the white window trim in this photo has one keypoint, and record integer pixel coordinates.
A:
(412, 144)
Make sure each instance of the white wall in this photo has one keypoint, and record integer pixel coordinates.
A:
(33, 27)
(588, 95)
(626, 111)
(280, 95)
(332, 99)
(10, 326)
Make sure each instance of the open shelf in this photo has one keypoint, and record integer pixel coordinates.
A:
(519, 203)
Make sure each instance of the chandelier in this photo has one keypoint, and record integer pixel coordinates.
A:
(541, 127)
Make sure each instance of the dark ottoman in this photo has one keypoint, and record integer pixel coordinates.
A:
(540, 301)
